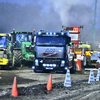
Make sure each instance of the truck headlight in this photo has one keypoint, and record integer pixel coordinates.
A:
(54, 65)
(62, 63)
(36, 62)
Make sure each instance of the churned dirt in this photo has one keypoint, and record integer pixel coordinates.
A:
(32, 86)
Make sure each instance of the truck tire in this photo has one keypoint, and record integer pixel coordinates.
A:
(17, 58)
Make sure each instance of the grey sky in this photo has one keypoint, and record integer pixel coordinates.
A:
(49, 15)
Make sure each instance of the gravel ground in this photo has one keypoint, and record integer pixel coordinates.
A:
(32, 86)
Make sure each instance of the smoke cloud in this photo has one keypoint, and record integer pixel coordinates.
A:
(49, 15)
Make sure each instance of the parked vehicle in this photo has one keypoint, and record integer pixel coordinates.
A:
(77, 51)
(20, 47)
(4, 61)
(52, 51)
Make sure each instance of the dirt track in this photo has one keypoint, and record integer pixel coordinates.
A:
(32, 86)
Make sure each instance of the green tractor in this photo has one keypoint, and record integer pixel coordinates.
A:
(20, 47)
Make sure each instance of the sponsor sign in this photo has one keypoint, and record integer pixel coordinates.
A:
(50, 52)
(74, 36)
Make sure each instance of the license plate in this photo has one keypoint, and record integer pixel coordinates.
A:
(49, 68)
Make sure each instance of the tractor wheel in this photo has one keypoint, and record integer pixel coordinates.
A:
(17, 58)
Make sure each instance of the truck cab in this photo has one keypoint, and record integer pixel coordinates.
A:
(51, 51)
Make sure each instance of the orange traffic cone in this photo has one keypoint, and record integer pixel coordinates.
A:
(49, 85)
(14, 88)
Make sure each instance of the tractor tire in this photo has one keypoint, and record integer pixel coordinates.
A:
(17, 58)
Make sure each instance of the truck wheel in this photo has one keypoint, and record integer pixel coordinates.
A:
(17, 58)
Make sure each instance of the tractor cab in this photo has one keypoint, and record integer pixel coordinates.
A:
(17, 38)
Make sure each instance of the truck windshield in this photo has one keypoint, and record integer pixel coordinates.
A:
(2, 41)
(43, 40)
(23, 38)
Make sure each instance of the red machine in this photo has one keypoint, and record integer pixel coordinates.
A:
(78, 52)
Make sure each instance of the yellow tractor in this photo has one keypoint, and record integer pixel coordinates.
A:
(4, 62)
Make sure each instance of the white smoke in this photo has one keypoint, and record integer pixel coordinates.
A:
(49, 15)
(78, 12)
(62, 7)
